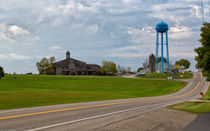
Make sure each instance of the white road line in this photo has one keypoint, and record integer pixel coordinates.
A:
(107, 114)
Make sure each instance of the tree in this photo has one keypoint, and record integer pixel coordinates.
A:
(164, 59)
(183, 62)
(177, 67)
(46, 66)
(145, 64)
(108, 67)
(139, 69)
(121, 69)
(203, 57)
(1, 72)
(128, 69)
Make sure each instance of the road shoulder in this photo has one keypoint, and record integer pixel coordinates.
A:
(157, 120)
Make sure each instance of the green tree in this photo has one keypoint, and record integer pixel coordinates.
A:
(139, 69)
(46, 66)
(183, 62)
(164, 59)
(1, 72)
(203, 57)
(108, 67)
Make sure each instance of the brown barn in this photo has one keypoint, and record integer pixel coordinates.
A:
(70, 66)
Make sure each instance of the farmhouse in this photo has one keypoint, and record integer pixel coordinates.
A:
(70, 66)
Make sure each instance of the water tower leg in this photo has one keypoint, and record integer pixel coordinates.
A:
(168, 66)
(156, 56)
(161, 52)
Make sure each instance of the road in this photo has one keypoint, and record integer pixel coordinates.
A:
(93, 115)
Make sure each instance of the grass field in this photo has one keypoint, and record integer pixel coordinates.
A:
(37, 90)
(186, 75)
(194, 107)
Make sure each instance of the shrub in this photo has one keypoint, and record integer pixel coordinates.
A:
(1, 72)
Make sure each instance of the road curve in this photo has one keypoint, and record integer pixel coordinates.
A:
(93, 115)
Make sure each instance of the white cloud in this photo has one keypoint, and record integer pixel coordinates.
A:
(57, 13)
(178, 12)
(145, 34)
(180, 52)
(196, 11)
(5, 37)
(127, 55)
(18, 31)
(55, 47)
(13, 33)
(13, 56)
(131, 1)
(81, 7)
(180, 32)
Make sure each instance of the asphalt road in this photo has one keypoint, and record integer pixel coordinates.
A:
(200, 124)
(93, 115)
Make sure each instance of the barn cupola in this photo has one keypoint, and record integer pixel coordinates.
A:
(67, 55)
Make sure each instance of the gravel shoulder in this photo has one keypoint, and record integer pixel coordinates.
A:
(158, 120)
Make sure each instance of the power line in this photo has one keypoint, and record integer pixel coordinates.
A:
(202, 10)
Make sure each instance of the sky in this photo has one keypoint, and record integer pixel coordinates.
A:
(122, 31)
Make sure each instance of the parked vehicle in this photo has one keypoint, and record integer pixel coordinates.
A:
(140, 74)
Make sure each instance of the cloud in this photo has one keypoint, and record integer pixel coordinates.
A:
(180, 32)
(127, 55)
(18, 31)
(131, 51)
(93, 28)
(196, 11)
(55, 47)
(13, 33)
(58, 13)
(132, 1)
(13, 56)
(143, 35)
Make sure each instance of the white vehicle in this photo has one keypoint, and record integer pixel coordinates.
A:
(140, 74)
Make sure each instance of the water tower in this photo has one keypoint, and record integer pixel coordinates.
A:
(161, 28)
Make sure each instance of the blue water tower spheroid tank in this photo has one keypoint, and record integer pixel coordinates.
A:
(161, 28)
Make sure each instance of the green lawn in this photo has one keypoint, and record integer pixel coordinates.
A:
(194, 107)
(37, 90)
(186, 75)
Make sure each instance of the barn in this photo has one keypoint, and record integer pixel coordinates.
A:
(70, 66)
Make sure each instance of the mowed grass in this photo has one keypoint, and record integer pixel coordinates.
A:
(207, 95)
(185, 75)
(194, 107)
(36, 90)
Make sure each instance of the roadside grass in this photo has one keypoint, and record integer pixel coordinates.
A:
(207, 95)
(38, 90)
(194, 107)
(186, 75)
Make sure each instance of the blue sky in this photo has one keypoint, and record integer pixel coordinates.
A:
(94, 30)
